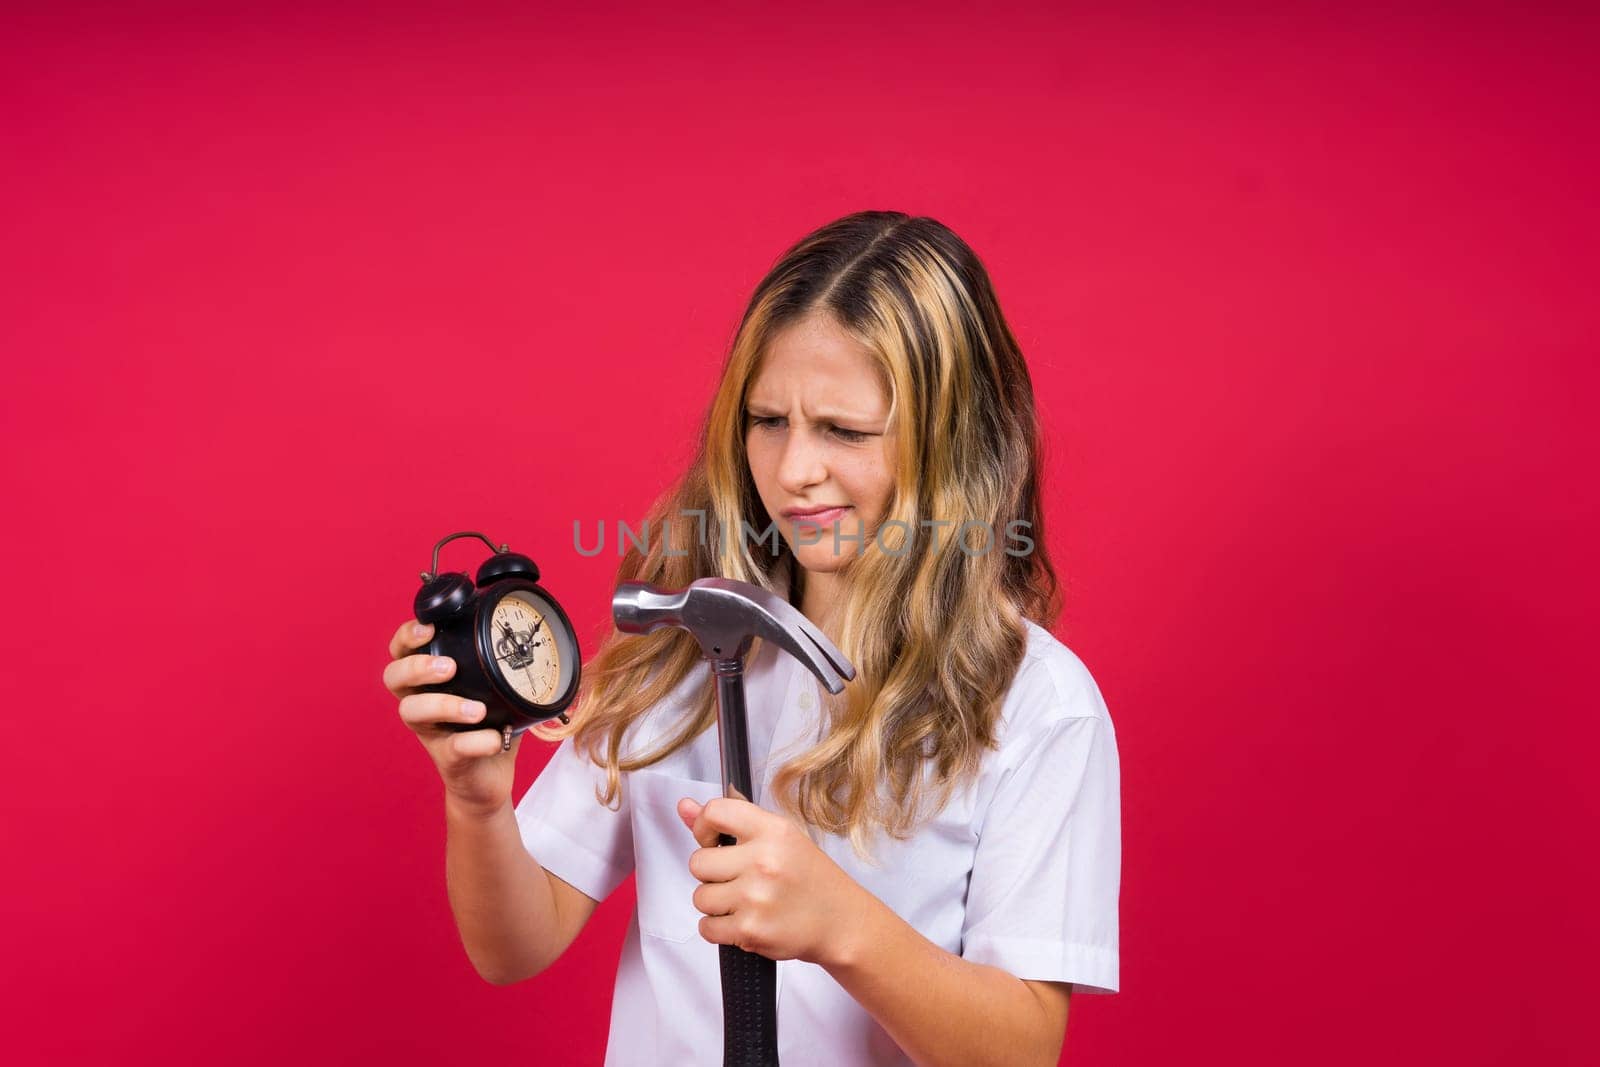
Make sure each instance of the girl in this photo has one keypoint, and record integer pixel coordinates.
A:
(933, 855)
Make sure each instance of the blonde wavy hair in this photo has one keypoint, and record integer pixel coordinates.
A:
(935, 634)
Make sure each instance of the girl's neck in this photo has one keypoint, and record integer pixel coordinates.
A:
(816, 594)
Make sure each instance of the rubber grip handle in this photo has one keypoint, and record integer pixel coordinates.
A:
(749, 979)
(749, 1005)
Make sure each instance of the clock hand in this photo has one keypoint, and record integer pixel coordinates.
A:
(515, 638)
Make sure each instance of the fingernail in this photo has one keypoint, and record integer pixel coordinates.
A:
(441, 664)
(418, 629)
(472, 709)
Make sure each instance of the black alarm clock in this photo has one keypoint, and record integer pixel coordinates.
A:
(513, 646)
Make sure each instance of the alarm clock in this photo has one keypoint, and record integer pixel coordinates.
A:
(513, 646)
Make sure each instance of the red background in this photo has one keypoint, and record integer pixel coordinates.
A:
(1308, 301)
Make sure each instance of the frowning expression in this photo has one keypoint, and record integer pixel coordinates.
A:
(820, 450)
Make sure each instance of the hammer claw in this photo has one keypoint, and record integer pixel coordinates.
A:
(724, 614)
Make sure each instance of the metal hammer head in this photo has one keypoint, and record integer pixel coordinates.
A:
(724, 615)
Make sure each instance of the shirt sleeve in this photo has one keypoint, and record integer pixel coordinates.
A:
(569, 832)
(1042, 897)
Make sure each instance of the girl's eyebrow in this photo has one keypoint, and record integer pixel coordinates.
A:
(764, 411)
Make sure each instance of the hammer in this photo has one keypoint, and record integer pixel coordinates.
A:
(724, 616)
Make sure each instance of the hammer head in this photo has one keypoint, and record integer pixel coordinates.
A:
(724, 615)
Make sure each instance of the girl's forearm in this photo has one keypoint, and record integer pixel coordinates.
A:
(501, 899)
(939, 1008)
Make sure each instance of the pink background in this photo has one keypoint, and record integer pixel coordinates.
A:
(1308, 299)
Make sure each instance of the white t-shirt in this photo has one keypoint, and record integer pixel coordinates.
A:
(1021, 870)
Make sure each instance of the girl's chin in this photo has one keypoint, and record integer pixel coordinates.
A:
(814, 547)
(823, 556)
(822, 565)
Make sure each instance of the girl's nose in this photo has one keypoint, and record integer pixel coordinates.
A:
(801, 464)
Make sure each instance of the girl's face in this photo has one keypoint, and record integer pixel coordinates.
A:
(817, 438)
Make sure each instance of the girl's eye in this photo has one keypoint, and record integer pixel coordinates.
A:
(853, 437)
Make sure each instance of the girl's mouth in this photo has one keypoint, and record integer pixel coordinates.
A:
(818, 518)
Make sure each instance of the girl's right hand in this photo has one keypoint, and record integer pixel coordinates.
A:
(477, 774)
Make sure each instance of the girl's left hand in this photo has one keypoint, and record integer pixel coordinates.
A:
(775, 892)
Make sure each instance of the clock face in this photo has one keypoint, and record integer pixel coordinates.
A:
(527, 649)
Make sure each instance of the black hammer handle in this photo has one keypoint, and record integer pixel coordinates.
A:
(749, 979)
(749, 1008)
